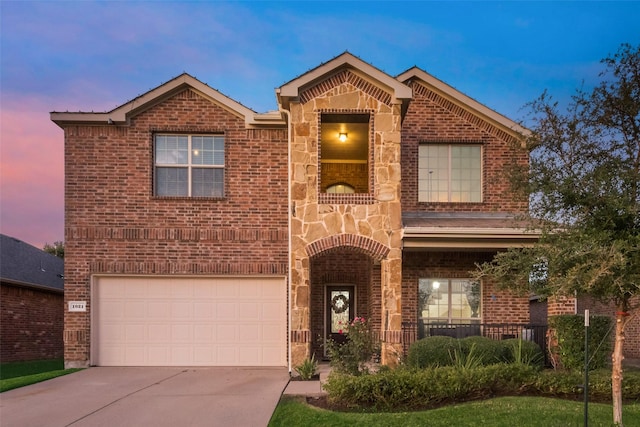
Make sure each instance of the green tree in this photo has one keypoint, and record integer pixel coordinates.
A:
(583, 183)
(56, 249)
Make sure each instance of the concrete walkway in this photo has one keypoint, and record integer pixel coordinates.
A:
(148, 397)
(309, 388)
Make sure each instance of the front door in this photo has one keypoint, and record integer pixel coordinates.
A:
(341, 307)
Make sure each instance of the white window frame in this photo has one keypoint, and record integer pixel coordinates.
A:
(427, 182)
(449, 295)
(189, 166)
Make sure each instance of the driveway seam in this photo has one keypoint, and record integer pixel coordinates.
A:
(125, 396)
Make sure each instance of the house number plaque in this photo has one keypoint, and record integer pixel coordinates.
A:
(77, 306)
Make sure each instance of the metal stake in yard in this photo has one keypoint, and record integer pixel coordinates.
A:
(586, 368)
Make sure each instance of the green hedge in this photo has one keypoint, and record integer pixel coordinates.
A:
(406, 388)
(569, 331)
(447, 351)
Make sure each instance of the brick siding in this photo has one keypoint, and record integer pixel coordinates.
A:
(430, 118)
(31, 324)
(114, 224)
(497, 306)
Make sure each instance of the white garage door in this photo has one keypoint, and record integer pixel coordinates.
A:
(148, 321)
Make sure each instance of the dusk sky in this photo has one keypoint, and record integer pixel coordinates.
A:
(95, 56)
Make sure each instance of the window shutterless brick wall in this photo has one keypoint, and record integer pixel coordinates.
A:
(114, 224)
(30, 324)
(431, 118)
(497, 306)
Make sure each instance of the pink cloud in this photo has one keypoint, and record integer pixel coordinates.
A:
(32, 175)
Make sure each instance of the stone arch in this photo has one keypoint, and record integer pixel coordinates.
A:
(362, 244)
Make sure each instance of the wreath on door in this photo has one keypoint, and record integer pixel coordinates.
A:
(339, 304)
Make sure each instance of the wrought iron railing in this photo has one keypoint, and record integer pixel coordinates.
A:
(412, 331)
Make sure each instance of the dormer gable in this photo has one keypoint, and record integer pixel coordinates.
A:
(344, 68)
(122, 114)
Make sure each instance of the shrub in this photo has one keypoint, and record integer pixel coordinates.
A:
(569, 330)
(307, 369)
(352, 356)
(447, 351)
(406, 388)
(569, 384)
(489, 351)
(432, 351)
(522, 351)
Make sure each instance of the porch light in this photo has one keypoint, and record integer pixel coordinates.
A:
(342, 136)
(436, 285)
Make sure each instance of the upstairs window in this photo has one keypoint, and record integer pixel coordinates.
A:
(189, 165)
(345, 153)
(450, 173)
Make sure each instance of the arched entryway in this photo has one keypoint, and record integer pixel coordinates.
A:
(345, 283)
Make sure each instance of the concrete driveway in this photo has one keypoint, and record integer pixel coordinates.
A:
(148, 397)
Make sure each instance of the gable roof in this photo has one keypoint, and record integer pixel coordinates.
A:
(25, 265)
(121, 115)
(465, 102)
(291, 90)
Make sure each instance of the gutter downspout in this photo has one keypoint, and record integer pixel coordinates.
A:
(289, 213)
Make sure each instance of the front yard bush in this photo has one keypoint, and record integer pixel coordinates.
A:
(448, 351)
(569, 384)
(487, 350)
(407, 388)
(522, 351)
(432, 351)
(569, 333)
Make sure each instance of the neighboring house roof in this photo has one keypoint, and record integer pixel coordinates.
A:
(467, 230)
(123, 113)
(460, 99)
(25, 265)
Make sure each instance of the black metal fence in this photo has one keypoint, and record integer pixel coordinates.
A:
(412, 331)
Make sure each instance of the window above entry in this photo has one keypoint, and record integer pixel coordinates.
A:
(345, 152)
(189, 165)
(450, 173)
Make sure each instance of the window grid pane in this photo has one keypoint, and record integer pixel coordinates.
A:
(172, 182)
(449, 173)
(204, 151)
(448, 300)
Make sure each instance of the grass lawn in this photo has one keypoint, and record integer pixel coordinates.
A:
(20, 374)
(504, 411)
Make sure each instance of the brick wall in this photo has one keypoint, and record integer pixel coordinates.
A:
(114, 224)
(30, 324)
(431, 118)
(497, 306)
(354, 174)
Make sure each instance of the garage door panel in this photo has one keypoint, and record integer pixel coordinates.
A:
(189, 322)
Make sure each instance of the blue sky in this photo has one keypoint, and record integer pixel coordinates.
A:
(94, 56)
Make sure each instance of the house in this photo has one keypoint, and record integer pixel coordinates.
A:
(31, 302)
(199, 232)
